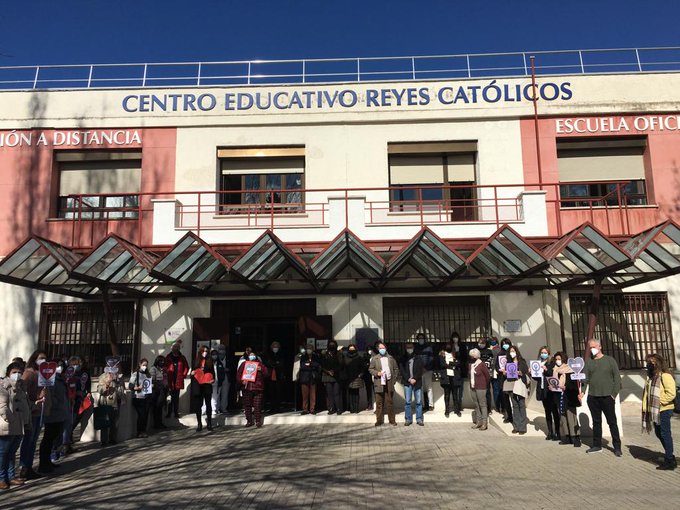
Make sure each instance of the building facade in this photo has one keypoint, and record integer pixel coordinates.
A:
(248, 213)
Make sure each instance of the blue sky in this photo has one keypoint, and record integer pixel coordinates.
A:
(96, 31)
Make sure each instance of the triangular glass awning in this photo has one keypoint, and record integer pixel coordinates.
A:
(656, 254)
(191, 264)
(118, 264)
(345, 251)
(43, 264)
(506, 257)
(428, 255)
(583, 254)
(267, 260)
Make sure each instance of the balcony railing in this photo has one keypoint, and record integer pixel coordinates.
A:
(216, 211)
(340, 70)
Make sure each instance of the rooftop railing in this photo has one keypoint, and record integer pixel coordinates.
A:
(340, 70)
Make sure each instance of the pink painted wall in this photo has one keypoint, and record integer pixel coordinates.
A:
(29, 186)
(662, 169)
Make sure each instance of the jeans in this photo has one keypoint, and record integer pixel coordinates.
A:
(663, 432)
(552, 414)
(479, 401)
(29, 443)
(519, 413)
(8, 451)
(606, 405)
(409, 393)
(497, 385)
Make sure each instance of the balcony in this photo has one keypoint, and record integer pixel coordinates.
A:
(374, 214)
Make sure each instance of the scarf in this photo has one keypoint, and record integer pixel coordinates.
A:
(652, 404)
(472, 372)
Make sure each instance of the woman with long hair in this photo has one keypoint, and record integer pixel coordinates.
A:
(42, 402)
(569, 400)
(140, 400)
(657, 407)
(250, 377)
(549, 399)
(517, 389)
(202, 377)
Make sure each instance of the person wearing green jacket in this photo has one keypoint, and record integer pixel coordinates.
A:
(658, 402)
(604, 383)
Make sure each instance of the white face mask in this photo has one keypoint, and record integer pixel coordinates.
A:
(594, 351)
(14, 377)
(513, 354)
(275, 350)
(40, 361)
(204, 354)
(59, 369)
(558, 363)
(143, 368)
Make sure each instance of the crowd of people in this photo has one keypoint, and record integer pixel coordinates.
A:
(498, 376)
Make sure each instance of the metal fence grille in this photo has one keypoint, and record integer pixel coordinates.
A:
(404, 318)
(68, 329)
(630, 326)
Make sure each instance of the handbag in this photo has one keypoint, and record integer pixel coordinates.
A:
(102, 417)
(520, 389)
(443, 377)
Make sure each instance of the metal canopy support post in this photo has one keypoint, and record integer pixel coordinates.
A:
(108, 314)
(594, 310)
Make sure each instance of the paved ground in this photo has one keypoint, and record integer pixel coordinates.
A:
(441, 465)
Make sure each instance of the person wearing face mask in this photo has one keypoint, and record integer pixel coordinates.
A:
(385, 371)
(40, 397)
(15, 417)
(202, 378)
(496, 385)
(159, 380)
(604, 383)
(176, 368)
(75, 393)
(54, 423)
(139, 398)
(411, 369)
(354, 369)
(310, 371)
(451, 379)
(658, 399)
(479, 383)
(111, 396)
(251, 376)
(504, 397)
(518, 391)
(330, 377)
(461, 352)
(549, 399)
(368, 378)
(277, 365)
(486, 355)
(569, 401)
(426, 352)
(223, 379)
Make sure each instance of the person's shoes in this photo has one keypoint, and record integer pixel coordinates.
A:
(422, 424)
(618, 452)
(408, 423)
(515, 431)
(565, 440)
(199, 428)
(4, 485)
(431, 408)
(485, 425)
(378, 424)
(577, 441)
(393, 423)
(548, 437)
(506, 420)
(304, 413)
(249, 424)
(556, 437)
(594, 449)
(331, 411)
(16, 483)
(522, 432)
(458, 414)
(313, 411)
(446, 414)
(340, 412)
(258, 425)
(668, 465)
(476, 426)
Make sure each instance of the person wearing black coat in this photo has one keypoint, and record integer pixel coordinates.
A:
(330, 376)
(278, 376)
(368, 378)
(411, 368)
(355, 366)
(506, 406)
(451, 379)
(549, 399)
(517, 390)
(310, 371)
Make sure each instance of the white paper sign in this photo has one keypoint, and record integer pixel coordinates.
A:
(536, 368)
(147, 386)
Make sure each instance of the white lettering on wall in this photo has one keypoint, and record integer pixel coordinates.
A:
(593, 125)
(118, 137)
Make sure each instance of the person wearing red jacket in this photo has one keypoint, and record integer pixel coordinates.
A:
(177, 368)
(250, 377)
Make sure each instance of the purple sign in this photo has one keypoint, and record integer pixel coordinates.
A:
(511, 371)
(502, 361)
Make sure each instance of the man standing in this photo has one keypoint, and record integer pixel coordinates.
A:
(385, 372)
(278, 376)
(220, 395)
(604, 383)
(177, 368)
(426, 352)
(411, 369)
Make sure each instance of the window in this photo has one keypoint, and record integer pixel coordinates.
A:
(81, 329)
(586, 166)
(630, 326)
(262, 178)
(109, 180)
(437, 176)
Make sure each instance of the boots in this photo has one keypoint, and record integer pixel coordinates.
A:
(485, 425)
(566, 440)
(556, 435)
(210, 427)
(668, 465)
(199, 422)
(477, 425)
(550, 431)
(577, 441)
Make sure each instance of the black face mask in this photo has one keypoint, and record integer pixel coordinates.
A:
(332, 347)
(448, 348)
(651, 369)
